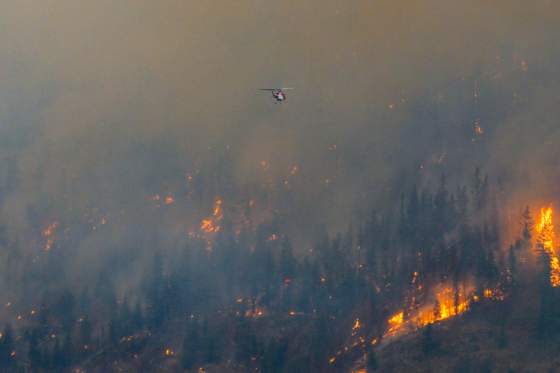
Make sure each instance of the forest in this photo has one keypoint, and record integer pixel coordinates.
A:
(393, 213)
(241, 300)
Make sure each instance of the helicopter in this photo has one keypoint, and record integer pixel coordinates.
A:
(277, 93)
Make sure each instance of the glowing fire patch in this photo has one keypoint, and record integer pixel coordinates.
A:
(478, 129)
(49, 229)
(396, 321)
(419, 317)
(545, 241)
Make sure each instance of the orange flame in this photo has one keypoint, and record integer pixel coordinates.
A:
(478, 129)
(426, 314)
(49, 229)
(545, 229)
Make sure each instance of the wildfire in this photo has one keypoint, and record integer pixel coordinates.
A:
(48, 232)
(208, 225)
(396, 321)
(272, 238)
(545, 241)
(478, 129)
(425, 314)
(49, 229)
(218, 203)
(447, 310)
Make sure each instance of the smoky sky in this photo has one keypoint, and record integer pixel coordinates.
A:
(109, 102)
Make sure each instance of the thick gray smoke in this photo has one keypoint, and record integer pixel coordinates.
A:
(104, 104)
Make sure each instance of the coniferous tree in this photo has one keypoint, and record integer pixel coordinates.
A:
(512, 267)
(57, 358)
(337, 262)
(209, 344)
(369, 244)
(402, 229)
(191, 346)
(429, 344)
(64, 310)
(274, 356)
(451, 212)
(441, 209)
(125, 318)
(456, 294)
(389, 358)
(492, 272)
(263, 268)
(105, 292)
(436, 309)
(85, 300)
(348, 242)
(153, 288)
(268, 270)
(548, 323)
(502, 338)
(246, 347)
(316, 284)
(12, 176)
(113, 332)
(85, 333)
(413, 215)
(137, 316)
(43, 318)
(462, 207)
(33, 217)
(528, 224)
(491, 235)
(484, 190)
(372, 362)
(68, 350)
(287, 260)
(33, 354)
(7, 360)
(478, 190)
(481, 273)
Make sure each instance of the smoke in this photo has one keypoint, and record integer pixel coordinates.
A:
(104, 104)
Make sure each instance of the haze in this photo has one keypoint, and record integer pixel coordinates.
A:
(104, 104)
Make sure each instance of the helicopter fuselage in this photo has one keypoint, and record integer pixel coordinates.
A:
(279, 96)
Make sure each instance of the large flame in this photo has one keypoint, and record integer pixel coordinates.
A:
(426, 313)
(545, 240)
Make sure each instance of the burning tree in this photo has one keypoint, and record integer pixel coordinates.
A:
(545, 245)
